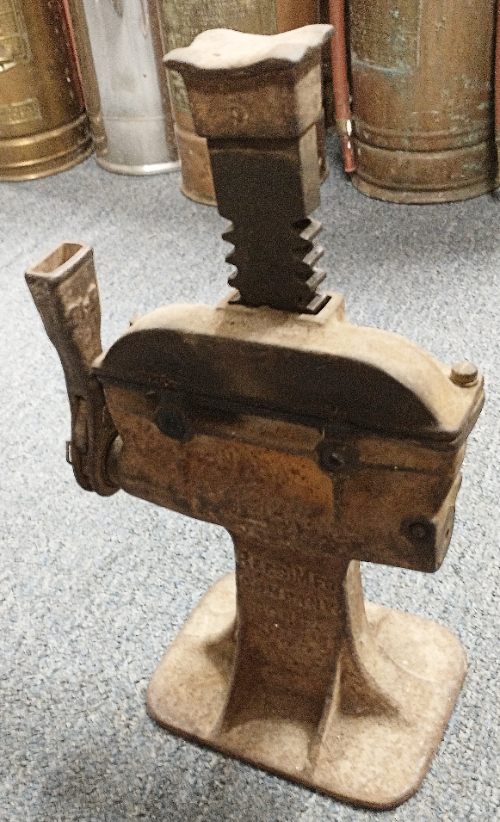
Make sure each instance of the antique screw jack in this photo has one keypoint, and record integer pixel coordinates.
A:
(315, 443)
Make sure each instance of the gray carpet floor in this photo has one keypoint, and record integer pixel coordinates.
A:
(92, 591)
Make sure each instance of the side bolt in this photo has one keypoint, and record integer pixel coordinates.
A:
(463, 373)
(331, 460)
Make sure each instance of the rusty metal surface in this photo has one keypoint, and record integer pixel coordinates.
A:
(392, 497)
(315, 444)
(307, 368)
(124, 82)
(422, 97)
(43, 125)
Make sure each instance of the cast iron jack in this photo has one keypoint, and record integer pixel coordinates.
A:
(314, 442)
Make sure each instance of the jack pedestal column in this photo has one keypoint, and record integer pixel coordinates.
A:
(314, 442)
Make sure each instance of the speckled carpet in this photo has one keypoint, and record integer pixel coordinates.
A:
(92, 591)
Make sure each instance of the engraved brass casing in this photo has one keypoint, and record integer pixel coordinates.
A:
(43, 125)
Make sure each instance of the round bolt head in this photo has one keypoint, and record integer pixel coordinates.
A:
(418, 531)
(463, 373)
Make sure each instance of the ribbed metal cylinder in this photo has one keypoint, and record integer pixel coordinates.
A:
(125, 84)
(43, 125)
(422, 89)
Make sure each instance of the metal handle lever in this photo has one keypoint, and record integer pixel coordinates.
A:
(64, 288)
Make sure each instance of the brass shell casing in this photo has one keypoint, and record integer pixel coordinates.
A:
(422, 98)
(43, 125)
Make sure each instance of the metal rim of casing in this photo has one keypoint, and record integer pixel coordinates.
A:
(139, 170)
(402, 197)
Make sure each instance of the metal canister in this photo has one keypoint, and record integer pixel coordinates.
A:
(422, 98)
(124, 84)
(43, 125)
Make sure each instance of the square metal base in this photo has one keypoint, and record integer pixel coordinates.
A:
(369, 760)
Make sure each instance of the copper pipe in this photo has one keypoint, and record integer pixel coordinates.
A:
(341, 90)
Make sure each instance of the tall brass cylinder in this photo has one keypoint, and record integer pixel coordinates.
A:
(43, 125)
(422, 98)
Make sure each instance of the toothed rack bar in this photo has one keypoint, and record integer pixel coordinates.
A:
(260, 124)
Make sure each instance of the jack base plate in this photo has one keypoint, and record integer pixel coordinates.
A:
(369, 760)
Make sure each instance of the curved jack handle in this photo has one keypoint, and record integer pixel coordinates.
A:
(64, 288)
